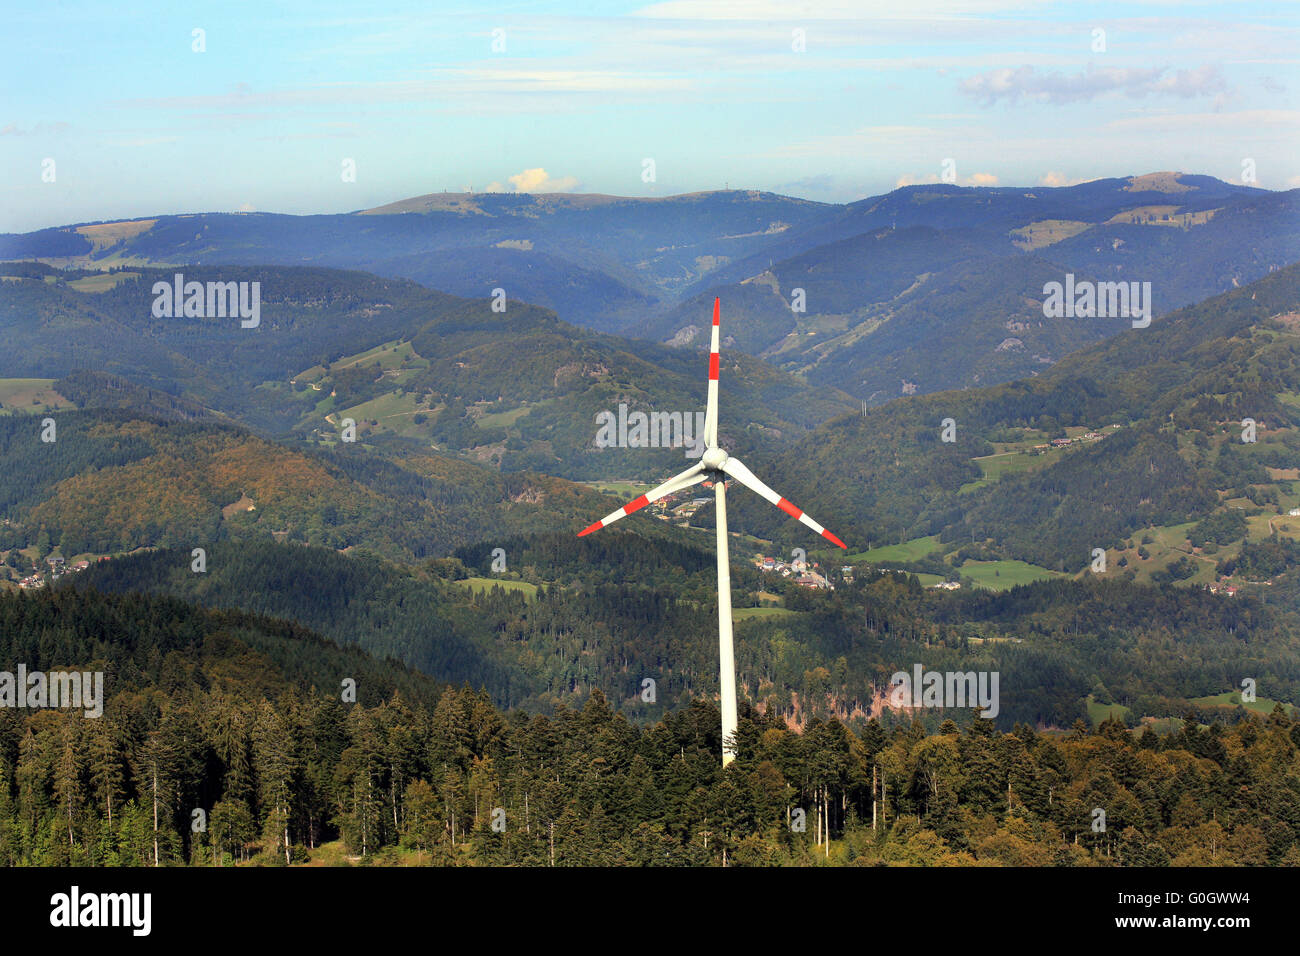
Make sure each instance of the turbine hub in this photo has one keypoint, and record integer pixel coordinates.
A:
(713, 458)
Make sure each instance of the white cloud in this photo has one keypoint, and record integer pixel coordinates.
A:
(1027, 83)
(536, 180)
(975, 179)
(1060, 179)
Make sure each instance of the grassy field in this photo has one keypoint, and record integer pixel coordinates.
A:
(29, 395)
(486, 584)
(1046, 232)
(503, 419)
(106, 234)
(1097, 712)
(1010, 463)
(388, 409)
(390, 355)
(1007, 463)
(899, 553)
(1004, 575)
(101, 283)
(1232, 698)
(750, 613)
(1168, 544)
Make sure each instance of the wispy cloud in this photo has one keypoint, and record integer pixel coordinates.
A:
(1258, 123)
(783, 10)
(40, 129)
(818, 183)
(1028, 83)
(508, 81)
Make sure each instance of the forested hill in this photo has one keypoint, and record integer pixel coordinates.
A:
(212, 717)
(575, 616)
(1180, 390)
(113, 480)
(145, 644)
(518, 389)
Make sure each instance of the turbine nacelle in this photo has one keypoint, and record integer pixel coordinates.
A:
(713, 458)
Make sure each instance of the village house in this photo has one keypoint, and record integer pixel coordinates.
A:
(813, 580)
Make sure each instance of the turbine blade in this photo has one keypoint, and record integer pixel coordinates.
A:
(736, 469)
(711, 410)
(691, 476)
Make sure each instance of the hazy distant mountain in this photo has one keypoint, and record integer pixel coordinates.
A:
(935, 287)
(600, 261)
(894, 294)
(414, 368)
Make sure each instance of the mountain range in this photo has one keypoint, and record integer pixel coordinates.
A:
(356, 459)
(888, 283)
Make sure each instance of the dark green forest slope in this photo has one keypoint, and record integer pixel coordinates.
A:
(1181, 390)
(226, 739)
(608, 613)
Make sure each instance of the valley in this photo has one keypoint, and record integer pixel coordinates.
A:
(393, 474)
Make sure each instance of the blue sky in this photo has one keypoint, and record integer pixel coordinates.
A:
(1012, 91)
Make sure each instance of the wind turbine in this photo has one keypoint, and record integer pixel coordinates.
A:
(717, 465)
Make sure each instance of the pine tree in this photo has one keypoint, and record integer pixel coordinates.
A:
(276, 762)
(107, 776)
(68, 790)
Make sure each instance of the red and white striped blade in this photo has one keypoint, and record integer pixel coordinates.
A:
(691, 476)
(711, 409)
(736, 469)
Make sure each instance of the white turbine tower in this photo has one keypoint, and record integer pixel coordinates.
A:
(717, 465)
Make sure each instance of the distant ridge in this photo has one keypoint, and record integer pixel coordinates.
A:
(471, 202)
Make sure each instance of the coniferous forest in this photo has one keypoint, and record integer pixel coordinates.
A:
(231, 738)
